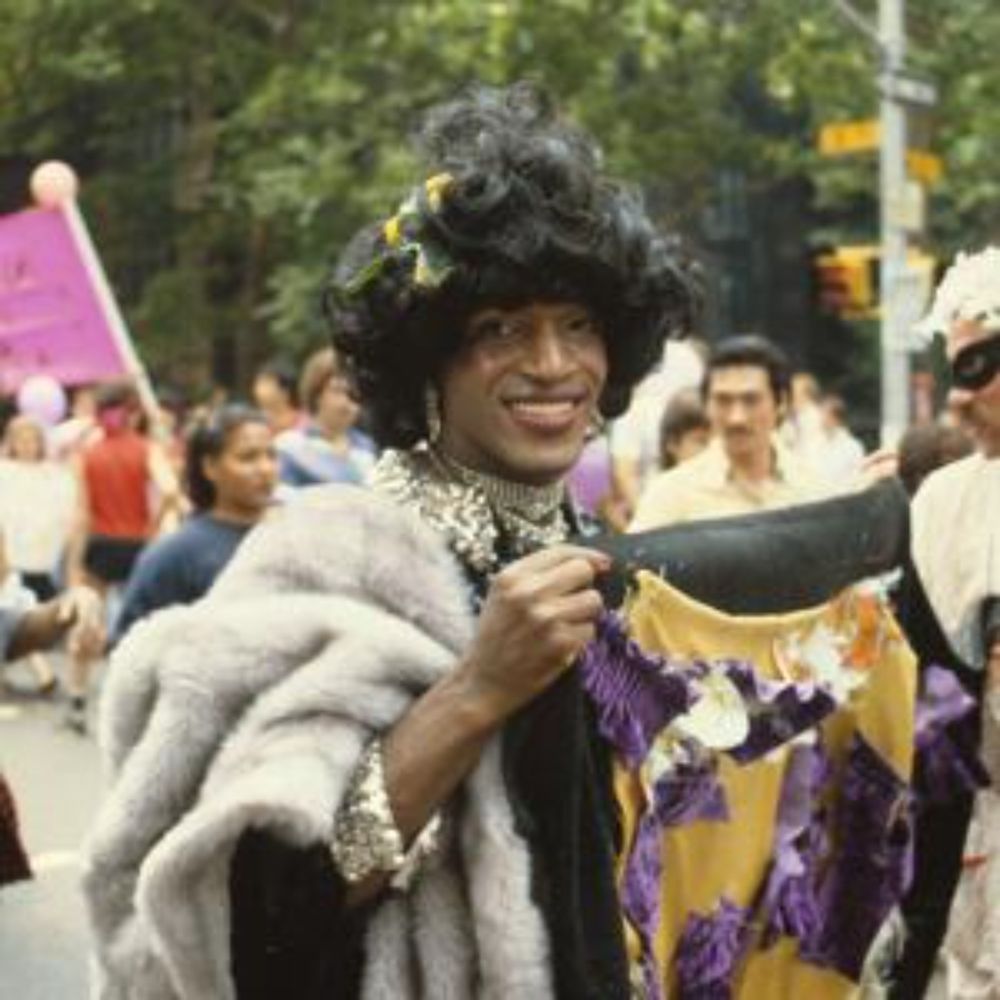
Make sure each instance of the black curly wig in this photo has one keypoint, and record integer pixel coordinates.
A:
(525, 215)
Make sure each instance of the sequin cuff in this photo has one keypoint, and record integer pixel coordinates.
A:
(366, 840)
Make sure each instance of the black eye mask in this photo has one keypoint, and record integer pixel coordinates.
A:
(974, 366)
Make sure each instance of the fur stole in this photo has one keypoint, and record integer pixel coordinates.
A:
(250, 709)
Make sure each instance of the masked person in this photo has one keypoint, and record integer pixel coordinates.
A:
(956, 550)
(365, 763)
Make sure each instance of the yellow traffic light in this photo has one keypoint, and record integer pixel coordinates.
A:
(848, 279)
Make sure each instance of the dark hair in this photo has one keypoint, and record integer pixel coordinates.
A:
(114, 393)
(208, 439)
(517, 210)
(283, 372)
(683, 414)
(755, 351)
(926, 447)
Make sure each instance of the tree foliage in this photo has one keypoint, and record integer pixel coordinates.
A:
(229, 147)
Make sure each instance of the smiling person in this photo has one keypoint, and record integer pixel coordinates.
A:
(745, 467)
(372, 772)
(230, 469)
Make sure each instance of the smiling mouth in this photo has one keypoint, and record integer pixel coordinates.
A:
(557, 413)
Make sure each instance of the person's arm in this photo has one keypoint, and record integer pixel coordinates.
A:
(880, 464)
(539, 614)
(291, 904)
(76, 545)
(76, 614)
(172, 504)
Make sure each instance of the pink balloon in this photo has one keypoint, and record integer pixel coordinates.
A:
(43, 398)
(53, 183)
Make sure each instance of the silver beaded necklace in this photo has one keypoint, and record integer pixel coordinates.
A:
(473, 510)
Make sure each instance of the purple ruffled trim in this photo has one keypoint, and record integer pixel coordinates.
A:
(690, 792)
(709, 951)
(942, 702)
(873, 862)
(947, 762)
(637, 695)
(790, 905)
(641, 894)
(779, 710)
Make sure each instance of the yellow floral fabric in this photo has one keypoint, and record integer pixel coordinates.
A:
(706, 861)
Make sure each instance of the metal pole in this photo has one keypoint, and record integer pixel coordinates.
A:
(892, 191)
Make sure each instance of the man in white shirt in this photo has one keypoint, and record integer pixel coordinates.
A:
(745, 468)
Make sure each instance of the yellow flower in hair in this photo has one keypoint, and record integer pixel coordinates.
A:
(436, 187)
(423, 276)
(392, 231)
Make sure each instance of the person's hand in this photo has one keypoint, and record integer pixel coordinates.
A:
(539, 614)
(81, 611)
(881, 464)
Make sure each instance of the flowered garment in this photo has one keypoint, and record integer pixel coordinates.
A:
(762, 772)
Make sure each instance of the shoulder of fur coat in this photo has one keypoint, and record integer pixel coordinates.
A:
(250, 707)
(336, 560)
(351, 541)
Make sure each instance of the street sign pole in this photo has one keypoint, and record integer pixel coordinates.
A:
(895, 367)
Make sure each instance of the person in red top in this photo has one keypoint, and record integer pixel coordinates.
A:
(127, 486)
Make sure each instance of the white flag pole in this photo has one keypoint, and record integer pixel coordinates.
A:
(134, 368)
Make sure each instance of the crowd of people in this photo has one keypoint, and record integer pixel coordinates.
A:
(396, 740)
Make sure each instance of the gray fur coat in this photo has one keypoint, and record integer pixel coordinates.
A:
(250, 709)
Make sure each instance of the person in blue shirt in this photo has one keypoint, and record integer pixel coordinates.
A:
(231, 470)
(328, 448)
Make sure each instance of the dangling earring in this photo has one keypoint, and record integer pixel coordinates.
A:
(597, 424)
(432, 413)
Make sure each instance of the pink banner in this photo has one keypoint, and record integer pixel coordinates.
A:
(55, 315)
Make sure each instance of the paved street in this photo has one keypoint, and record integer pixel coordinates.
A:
(55, 776)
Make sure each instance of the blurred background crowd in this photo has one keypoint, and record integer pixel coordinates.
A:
(147, 510)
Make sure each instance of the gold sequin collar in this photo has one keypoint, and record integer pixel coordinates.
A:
(472, 510)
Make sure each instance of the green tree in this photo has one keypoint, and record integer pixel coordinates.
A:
(229, 147)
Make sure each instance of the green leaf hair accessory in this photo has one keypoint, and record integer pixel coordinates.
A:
(432, 265)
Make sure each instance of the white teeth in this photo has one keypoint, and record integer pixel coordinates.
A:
(544, 406)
